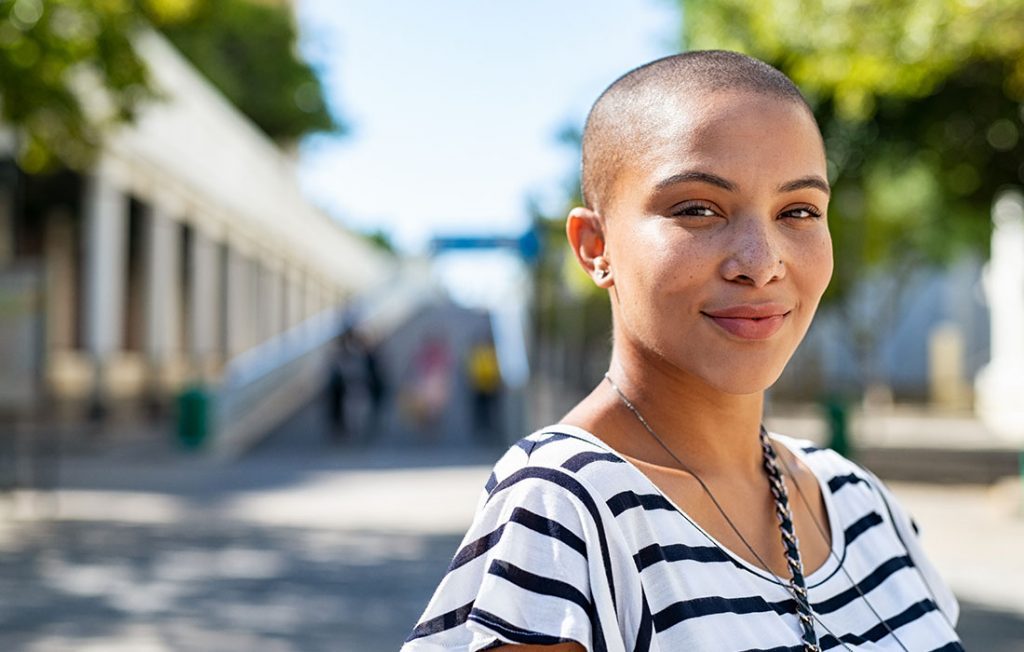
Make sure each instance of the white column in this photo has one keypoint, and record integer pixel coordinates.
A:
(258, 309)
(202, 313)
(286, 298)
(1000, 385)
(163, 274)
(60, 280)
(105, 212)
(237, 302)
(317, 288)
(281, 309)
(250, 320)
(294, 298)
(308, 295)
(947, 387)
(272, 302)
(339, 296)
(223, 306)
(321, 296)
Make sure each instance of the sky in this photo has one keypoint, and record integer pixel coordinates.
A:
(454, 106)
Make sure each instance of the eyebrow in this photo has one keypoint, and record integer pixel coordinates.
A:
(695, 175)
(810, 181)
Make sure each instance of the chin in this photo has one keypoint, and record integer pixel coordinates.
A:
(742, 379)
(743, 386)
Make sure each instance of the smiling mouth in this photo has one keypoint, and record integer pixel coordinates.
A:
(749, 327)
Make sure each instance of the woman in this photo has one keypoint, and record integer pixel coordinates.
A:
(658, 514)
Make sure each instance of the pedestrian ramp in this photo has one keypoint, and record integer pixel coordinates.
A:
(269, 382)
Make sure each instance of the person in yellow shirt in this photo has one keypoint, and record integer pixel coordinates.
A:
(484, 377)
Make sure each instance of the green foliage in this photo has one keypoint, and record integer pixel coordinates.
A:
(856, 52)
(381, 240)
(571, 315)
(52, 52)
(47, 50)
(920, 105)
(248, 50)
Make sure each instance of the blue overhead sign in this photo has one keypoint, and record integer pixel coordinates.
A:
(527, 245)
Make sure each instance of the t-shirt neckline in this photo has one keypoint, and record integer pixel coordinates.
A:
(819, 576)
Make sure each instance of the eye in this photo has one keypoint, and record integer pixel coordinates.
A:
(802, 212)
(694, 209)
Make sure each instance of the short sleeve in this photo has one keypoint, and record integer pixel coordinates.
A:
(522, 573)
(908, 534)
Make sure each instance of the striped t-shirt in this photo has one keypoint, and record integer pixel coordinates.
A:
(570, 542)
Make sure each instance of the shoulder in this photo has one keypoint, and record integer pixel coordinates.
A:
(861, 501)
(558, 455)
(827, 465)
(536, 558)
(558, 474)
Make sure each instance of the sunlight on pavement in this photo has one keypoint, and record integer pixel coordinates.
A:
(974, 538)
(91, 505)
(429, 501)
(154, 638)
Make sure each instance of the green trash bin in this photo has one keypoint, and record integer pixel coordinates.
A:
(193, 416)
(837, 416)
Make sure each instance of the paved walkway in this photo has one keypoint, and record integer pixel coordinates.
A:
(305, 546)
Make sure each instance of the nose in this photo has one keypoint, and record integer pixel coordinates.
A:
(754, 257)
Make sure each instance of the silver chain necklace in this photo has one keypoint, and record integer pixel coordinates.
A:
(770, 460)
(796, 585)
(849, 578)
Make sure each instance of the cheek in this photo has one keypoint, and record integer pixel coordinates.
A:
(672, 274)
(825, 261)
(660, 275)
(815, 265)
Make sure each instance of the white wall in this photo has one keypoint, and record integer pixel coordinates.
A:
(195, 154)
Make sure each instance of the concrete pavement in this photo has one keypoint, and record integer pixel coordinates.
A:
(306, 546)
(333, 553)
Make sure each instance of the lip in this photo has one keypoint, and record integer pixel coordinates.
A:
(751, 321)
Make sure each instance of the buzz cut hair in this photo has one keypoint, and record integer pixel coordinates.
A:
(620, 123)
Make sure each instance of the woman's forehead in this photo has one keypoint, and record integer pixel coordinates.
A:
(694, 119)
(745, 140)
(727, 127)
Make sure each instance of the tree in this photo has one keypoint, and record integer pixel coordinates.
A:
(48, 48)
(571, 316)
(248, 50)
(920, 104)
(42, 47)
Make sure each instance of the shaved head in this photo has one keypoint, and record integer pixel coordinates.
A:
(629, 114)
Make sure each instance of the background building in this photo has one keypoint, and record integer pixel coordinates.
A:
(184, 254)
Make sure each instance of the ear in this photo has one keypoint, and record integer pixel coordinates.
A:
(585, 230)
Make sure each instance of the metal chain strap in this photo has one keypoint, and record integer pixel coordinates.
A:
(797, 587)
(790, 543)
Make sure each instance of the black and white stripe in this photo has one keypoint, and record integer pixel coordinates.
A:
(572, 543)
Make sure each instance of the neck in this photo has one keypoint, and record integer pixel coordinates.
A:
(711, 431)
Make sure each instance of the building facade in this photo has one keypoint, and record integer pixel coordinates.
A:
(186, 245)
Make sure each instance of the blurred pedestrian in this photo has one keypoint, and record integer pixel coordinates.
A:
(347, 383)
(376, 391)
(484, 380)
(336, 391)
(428, 394)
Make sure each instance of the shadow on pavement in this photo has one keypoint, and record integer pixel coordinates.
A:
(210, 585)
(215, 588)
(986, 630)
(227, 587)
(296, 450)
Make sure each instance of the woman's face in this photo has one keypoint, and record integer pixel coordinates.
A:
(718, 241)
